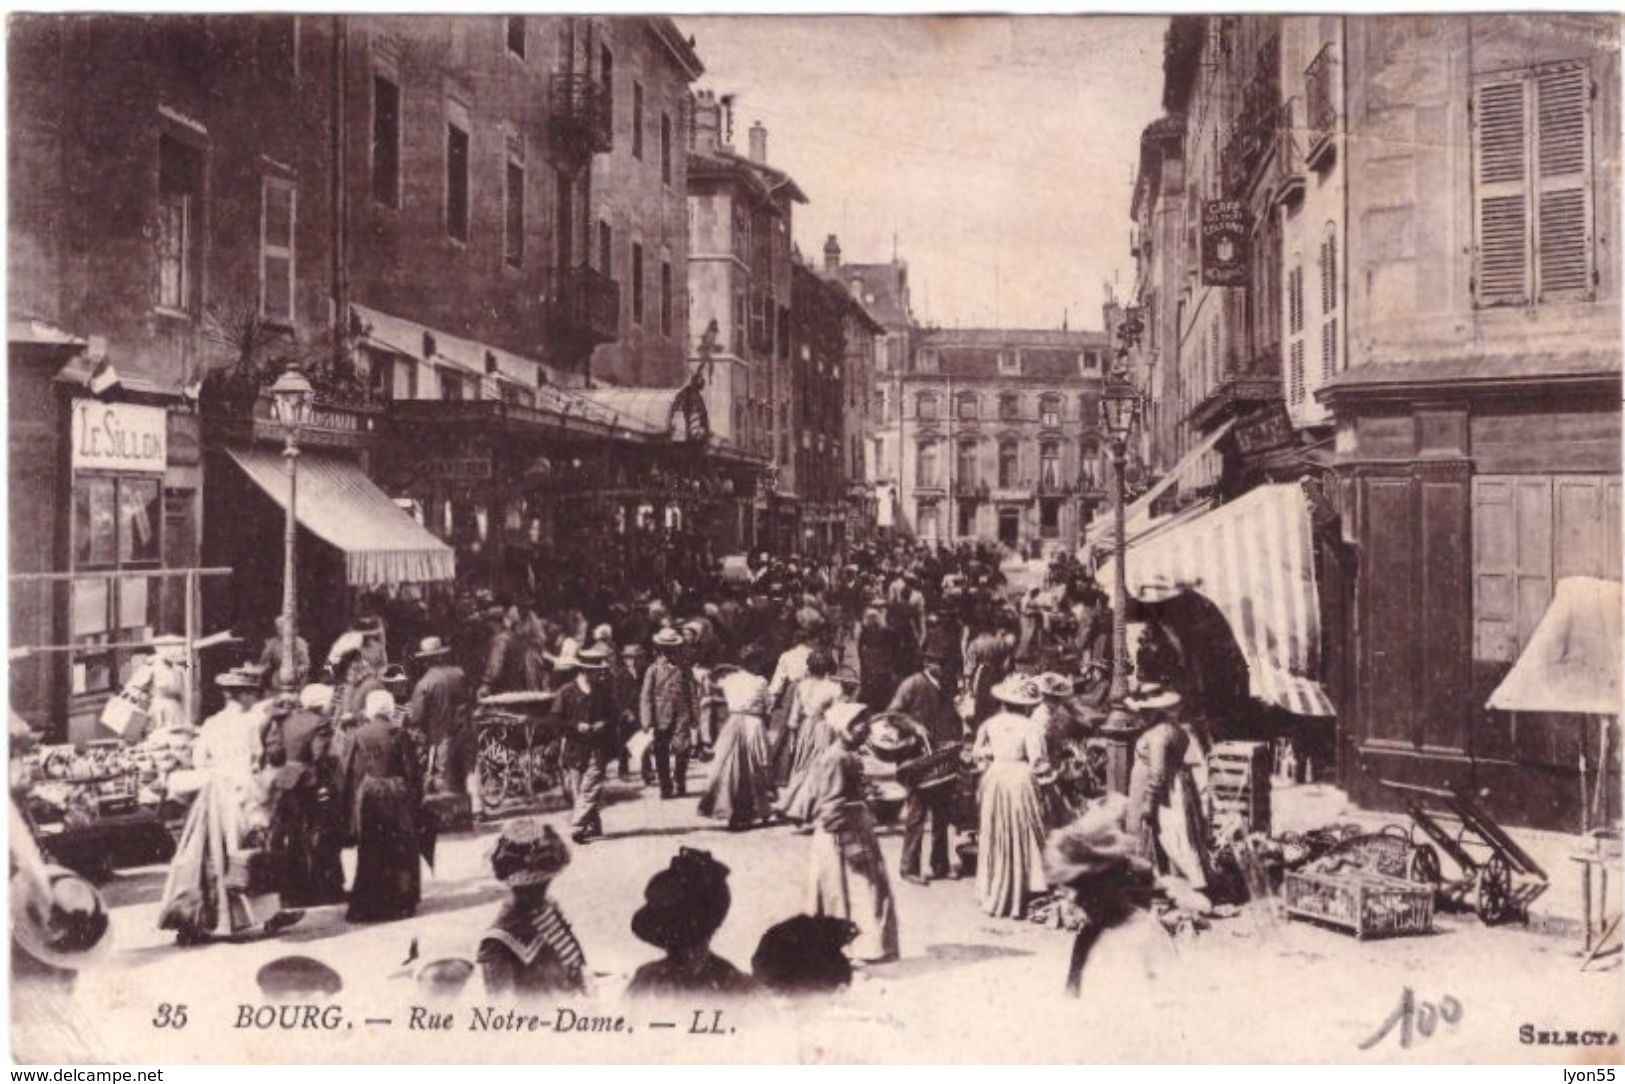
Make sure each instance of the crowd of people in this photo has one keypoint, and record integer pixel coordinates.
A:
(810, 693)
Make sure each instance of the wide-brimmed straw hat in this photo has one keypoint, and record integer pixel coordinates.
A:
(1019, 689)
(62, 922)
(594, 657)
(431, 647)
(685, 902)
(1152, 698)
(239, 678)
(528, 852)
(668, 638)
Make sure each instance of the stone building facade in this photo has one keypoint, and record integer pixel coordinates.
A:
(995, 428)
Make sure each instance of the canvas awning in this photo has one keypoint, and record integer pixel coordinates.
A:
(341, 506)
(1571, 663)
(1253, 560)
(1138, 514)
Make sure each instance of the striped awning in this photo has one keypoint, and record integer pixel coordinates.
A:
(1254, 561)
(337, 503)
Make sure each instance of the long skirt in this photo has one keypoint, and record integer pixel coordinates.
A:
(741, 781)
(387, 881)
(307, 837)
(1181, 831)
(199, 899)
(847, 879)
(796, 799)
(1010, 844)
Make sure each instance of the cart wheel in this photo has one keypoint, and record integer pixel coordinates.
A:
(1492, 890)
(1423, 867)
(494, 776)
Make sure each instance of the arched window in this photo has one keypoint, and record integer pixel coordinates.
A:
(1049, 411)
(925, 407)
(967, 405)
(1049, 465)
(1009, 463)
(925, 465)
(1009, 407)
(965, 466)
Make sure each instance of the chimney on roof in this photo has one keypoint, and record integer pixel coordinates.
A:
(832, 255)
(707, 122)
(758, 143)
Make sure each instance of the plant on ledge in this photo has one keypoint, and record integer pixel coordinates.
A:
(247, 352)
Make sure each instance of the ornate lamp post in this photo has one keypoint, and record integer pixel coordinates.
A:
(1120, 410)
(291, 400)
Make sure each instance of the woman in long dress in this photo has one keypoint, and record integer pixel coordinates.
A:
(307, 823)
(1010, 862)
(848, 875)
(381, 777)
(1164, 808)
(209, 891)
(741, 787)
(814, 695)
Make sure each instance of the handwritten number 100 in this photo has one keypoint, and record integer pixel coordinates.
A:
(1410, 1014)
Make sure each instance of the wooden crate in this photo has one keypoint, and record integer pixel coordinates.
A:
(1238, 774)
(1366, 904)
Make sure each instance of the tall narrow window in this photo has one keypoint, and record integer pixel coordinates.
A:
(637, 283)
(606, 77)
(665, 297)
(277, 216)
(926, 464)
(457, 173)
(180, 191)
(637, 121)
(1009, 463)
(1294, 334)
(1049, 465)
(1533, 194)
(386, 141)
(516, 35)
(513, 238)
(1328, 303)
(665, 148)
(1049, 413)
(606, 249)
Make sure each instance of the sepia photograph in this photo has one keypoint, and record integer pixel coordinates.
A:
(547, 538)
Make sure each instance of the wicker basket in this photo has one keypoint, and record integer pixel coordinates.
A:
(1366, 904)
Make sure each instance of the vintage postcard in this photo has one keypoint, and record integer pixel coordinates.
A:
(607, 538)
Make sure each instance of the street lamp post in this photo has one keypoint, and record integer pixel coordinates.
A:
(1120, 409)
(290, 404)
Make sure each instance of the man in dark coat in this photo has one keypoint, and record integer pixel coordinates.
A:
(588, 711)
(666, 709)
(926, 699)
(438, 711)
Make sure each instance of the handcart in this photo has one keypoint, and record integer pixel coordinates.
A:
(519, 741)
(1498, 878)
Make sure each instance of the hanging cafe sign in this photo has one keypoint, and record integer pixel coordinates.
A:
(1224, 242)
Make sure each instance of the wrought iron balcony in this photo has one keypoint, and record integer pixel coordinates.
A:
(584, 304)
(580, 117)
(1320, 83)
(1253, 131)
(1288, 167)
(971, 488)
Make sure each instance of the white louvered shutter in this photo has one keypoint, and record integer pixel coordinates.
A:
(1563, 197)
(1502, 230)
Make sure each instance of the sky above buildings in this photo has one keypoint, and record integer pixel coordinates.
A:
(999, 151)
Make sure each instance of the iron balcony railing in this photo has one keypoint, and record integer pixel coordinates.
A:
(584, 303)
(1320, 82)
(579, 115)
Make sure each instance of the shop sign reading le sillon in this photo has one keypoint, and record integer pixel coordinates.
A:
(119, 436)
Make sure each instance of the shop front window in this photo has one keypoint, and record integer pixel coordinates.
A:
(117, 525)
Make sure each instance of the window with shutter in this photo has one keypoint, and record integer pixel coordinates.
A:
(1328, 349)
(1501, 175)
(1563, 229)
(1296, 392)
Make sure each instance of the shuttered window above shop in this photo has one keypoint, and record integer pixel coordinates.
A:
(1532, 176)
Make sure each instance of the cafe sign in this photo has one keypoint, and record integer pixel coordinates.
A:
(1224, 243)
(119, 436)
